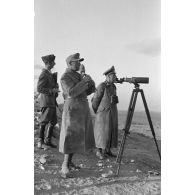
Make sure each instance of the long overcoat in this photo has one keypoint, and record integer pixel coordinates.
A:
(76, 135)
(106, 121)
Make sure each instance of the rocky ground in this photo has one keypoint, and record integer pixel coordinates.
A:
(139, 173)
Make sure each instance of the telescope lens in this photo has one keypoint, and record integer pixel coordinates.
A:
(140, 79)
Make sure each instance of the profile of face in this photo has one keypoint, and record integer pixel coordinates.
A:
(111, 78)
(75, 65)
(50, 65)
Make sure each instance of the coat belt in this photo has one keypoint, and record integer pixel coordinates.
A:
(76, 98)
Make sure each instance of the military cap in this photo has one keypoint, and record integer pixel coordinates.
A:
(109, 71)
(73, 58)
(48, 58)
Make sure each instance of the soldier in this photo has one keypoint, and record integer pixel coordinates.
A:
(48, 89)
(76, 134)
(106, 122)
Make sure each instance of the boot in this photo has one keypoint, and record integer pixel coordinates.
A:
(40, 143)
(99, 154)
(48, 137)
(71, 165)
(65, 172)
(41, 136)
(109, 153)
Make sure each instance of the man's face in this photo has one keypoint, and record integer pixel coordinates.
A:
(50, 65)
(75, 65)
(111, 78)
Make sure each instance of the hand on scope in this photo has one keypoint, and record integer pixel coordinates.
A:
(82, 69)
(87, 78)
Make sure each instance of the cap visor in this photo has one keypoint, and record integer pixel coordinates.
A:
(80, 60)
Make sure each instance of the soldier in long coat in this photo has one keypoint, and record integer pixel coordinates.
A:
(76, 134)
(106, 122)
(48, 88)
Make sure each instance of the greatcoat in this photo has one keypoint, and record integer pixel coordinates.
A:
(106, 121)
(76, 135)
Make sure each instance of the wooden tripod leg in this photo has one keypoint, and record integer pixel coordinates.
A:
(150, 121)
(127, 127)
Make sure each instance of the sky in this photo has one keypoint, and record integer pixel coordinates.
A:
(123, 33)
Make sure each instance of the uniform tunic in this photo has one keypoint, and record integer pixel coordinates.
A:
(106, 121)
(76, 134)
(47, 100)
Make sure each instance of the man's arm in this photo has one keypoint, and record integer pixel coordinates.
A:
(42, 86)
(70, 88)
(91, 88)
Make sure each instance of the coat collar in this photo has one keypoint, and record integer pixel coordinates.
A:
(73, 73)
(46, 71)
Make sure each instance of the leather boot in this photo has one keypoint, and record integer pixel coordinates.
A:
(65, 172)
(71, 165)
(41, 136)
(109, 153)
(99, 154)
(48, 136)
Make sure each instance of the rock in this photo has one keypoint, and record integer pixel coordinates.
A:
(100, 164)
(42, 160)
(153, 172)
(138, 171)
(47, 186)
(82, 165)
(132, 161)
(44, 185)
(42, 167)
(109, 174)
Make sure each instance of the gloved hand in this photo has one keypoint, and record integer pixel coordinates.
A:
(87, 78)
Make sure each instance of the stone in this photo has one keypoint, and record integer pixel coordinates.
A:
(42, 167)
(109, 174)
(42, 160)
(100, 164)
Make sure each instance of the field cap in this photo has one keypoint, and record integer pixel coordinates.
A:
(110, 71)
(48, 58)
(73, 58)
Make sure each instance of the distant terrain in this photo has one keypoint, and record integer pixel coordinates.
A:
(140, 123)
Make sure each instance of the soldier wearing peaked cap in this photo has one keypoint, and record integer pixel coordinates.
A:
(106, 122)
(76, 135)
(48, 89)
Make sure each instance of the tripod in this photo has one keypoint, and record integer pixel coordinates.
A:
(130, 112)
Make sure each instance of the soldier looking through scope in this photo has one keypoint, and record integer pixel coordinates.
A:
(104, 104)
